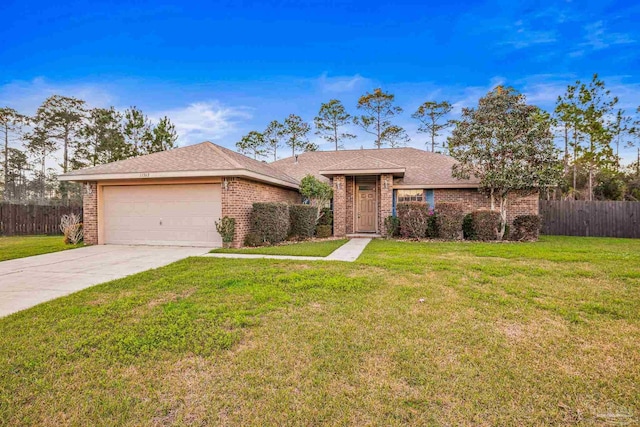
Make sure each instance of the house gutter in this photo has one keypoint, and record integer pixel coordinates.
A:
(242, 173)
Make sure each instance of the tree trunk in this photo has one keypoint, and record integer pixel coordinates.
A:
(591, 169)
(566, 150)
(335, 135)
(575, 158)
(6, 161)
(378, 142)
(503, 216)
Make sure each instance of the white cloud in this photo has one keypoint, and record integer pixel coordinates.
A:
(26, 96)
(341, 84)
(599, 37)
(202, 121)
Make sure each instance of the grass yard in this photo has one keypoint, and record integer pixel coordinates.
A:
(319, 248)
(543, 333)
(24, 246)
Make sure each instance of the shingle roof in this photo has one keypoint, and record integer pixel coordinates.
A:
(422, 168)
(360, 163)
(205, 156)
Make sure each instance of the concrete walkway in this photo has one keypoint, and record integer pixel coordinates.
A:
(348, 252)
(25, 282)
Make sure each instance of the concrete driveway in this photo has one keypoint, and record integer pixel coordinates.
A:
(26, 282)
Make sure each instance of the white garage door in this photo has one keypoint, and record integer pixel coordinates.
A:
(181, 215)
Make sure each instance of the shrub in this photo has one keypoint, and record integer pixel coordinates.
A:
(414, 219)
(71, 228)
(468, 232)
(226, 228)
(270, 221)
(253, 239)
(302, 221)
(324, 231)
(486, 224)
(449, 220)
(327, 217)
(526, 228)
(392, 226)
(432, 224)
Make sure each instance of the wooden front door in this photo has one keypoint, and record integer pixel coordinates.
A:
(366, 209)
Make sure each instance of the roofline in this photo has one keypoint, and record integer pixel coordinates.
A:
(434, 186)
(362, 171)
(179, 174)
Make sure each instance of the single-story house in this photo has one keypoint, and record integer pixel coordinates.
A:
(174, 197)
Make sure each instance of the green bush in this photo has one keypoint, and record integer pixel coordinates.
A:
(270, 221)
(468, 232)
(392, 226)
(414, 218)
(302, 220)
(253, 239)
(324, 231)
(486, 224)
(432, 225)
(526, 228)
(327, 217)
(226, 227)
(449, 218)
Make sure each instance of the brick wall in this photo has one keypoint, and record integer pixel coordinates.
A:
(90, 212)
(238, 199)
(472, 199)
(339, 206)
(385, 199)
(350, 200)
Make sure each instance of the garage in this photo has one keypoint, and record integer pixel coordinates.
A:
(179, 214)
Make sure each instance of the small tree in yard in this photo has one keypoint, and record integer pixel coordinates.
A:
(317, 192)
(226, 227)
(507, 145)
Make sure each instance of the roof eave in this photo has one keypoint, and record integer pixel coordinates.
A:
(333, 172)
(244, 173)
(436, 186)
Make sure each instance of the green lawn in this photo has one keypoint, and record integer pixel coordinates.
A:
(543, 333)
(320, 248)
(24, 246)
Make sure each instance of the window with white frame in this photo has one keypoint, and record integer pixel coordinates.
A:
(410, 196)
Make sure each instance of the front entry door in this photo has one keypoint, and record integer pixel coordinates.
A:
(366, 215)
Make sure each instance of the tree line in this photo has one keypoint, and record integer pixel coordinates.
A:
(586, 118)
(86, 137)
(376, 111)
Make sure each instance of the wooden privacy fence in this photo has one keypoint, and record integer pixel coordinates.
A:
(595, 218)
(22, 220)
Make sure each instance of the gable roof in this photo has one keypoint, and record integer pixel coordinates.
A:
(204, 159)
(421, 168)
(412, 167)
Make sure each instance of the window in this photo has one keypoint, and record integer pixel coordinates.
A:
(410, 196)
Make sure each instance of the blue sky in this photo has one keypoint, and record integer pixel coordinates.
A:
(220, 69)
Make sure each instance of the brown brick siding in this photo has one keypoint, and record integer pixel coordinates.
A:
(90, 212)
(350, 186)
(472, 199)
(339, 205)
(238, 199)
(385, 199)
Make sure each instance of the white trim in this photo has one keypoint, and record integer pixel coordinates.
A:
(244, 173)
